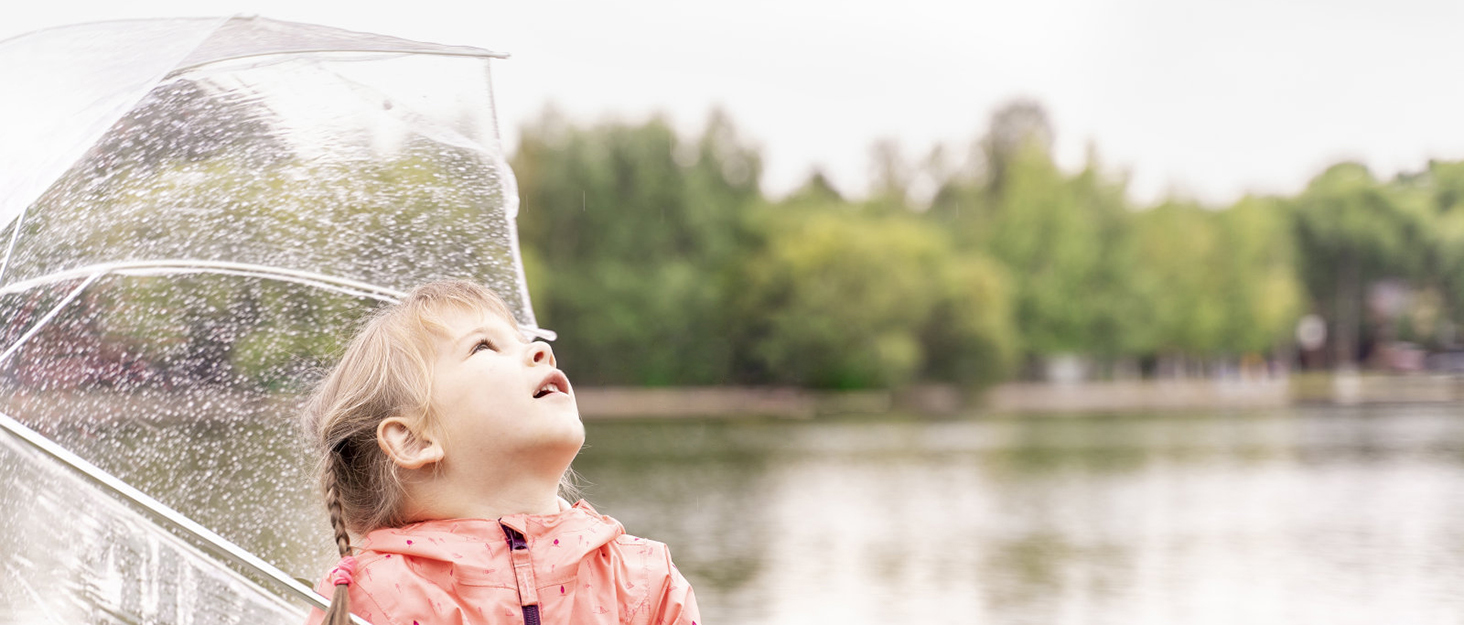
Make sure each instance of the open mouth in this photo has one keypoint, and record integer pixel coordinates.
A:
(555, 383)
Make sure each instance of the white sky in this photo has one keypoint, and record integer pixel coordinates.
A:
(1209, 98)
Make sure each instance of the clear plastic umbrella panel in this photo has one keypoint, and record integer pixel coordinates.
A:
(194, 214)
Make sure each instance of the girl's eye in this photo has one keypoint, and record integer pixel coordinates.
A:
(484, 344)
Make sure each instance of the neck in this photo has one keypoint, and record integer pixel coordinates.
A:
(446, 498)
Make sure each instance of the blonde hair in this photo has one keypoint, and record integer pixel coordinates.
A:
(385, 371)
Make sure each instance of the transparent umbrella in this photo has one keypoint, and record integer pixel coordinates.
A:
(194, 214)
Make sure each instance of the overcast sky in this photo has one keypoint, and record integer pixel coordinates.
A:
(1210, 99)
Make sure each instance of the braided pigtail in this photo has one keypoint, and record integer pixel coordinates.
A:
(340, 601)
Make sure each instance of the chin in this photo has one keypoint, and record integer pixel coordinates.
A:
(577, 435)
(559, 426)
(561, 448)
(568, 433)
(571, 413)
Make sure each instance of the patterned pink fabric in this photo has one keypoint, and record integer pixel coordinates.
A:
(580, 567)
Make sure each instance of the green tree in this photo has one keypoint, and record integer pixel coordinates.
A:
(1059, 237)
(1442, 186)
(1212, 282)
(1262, 293)
(843, 299)
(1351, 230)
(1183, 309)
(632, 233)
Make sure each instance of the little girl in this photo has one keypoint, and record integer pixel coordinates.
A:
(445, 437)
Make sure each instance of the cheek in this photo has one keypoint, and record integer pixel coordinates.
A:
(471, 404)
(455, 402)
(480, 382)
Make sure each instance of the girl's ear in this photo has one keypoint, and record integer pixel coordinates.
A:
(407, 444)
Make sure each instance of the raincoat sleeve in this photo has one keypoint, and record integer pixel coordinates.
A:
(677, 603)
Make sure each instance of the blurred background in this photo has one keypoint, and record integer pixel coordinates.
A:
(1054, 311)
(841, 196)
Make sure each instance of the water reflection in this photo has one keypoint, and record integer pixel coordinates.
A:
(1331, 515)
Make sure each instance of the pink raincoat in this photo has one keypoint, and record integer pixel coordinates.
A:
(574, 566)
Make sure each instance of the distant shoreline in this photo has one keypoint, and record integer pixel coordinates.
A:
(1022, 398)
(941, 400)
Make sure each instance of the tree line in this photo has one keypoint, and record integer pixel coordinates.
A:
(659, 261)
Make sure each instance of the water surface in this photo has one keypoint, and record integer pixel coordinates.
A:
(1312, 515)
(1303, 516)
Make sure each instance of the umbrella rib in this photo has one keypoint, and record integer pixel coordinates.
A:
(486, 54)
(41, 324)
(345, 286)
(333, 283)
(95, 272)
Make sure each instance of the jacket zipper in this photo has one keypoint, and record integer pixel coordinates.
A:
(517, 542)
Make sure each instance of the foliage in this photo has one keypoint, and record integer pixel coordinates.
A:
(837, 301)
(634, 232)
(660, 261)
(1225, 285)
(1352, 230)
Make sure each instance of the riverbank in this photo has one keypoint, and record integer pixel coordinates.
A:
(1013, 398)
(1025, 397)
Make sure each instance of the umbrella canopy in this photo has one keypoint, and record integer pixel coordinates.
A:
(194, 214)
(357, 158)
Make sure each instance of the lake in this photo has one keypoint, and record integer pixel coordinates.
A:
(1335, 515)
(1306, 515)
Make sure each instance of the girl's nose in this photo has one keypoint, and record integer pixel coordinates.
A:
(541, 354)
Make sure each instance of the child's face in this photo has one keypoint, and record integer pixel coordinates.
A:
(501, 403)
